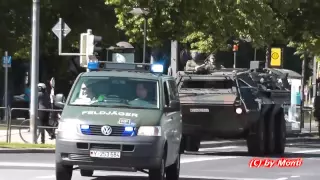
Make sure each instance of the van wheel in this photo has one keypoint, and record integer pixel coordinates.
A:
(280, 133)
(63, 172)
(192, 144)
(86, 173)
(256, 138)
(173, 171)
(158, 173)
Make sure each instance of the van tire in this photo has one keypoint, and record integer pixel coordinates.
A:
(86, 173)
(63, 172)
(158, 173)
(192, 143)
(256, 138)
(173, 171)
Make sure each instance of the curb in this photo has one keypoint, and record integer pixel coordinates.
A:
(11, 150)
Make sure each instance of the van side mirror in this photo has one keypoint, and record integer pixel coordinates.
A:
(173, 106)
(59, 101)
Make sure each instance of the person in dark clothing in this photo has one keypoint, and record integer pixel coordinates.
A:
(44, 103)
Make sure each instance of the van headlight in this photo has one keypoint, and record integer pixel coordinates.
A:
(149, 131)
(68, 128)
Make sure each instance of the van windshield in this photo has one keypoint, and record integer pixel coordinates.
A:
(115, 92)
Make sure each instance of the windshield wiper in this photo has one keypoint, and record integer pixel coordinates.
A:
(127, 106)
(85, 105)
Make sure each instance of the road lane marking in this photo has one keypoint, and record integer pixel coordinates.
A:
(283, 178)
(47, 165)
(294, 176)
(221, 142)
(224, 178)
(46, 177)
(24, 164)
(218, 148)
(307, 151)
(181, 176)
(199, 159)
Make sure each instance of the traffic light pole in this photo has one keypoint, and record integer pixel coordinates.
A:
(88, 42)
(145, 39)
(60, 42)
(34, 69)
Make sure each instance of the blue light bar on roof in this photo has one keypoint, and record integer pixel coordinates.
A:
(140, 67)
(157, 68)
(93, 65)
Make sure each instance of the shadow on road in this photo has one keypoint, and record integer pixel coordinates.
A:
(141, 178)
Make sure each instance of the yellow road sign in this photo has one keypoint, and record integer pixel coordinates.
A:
(276, 57)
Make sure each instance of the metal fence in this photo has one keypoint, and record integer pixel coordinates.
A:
(9, 124)
(307, 111)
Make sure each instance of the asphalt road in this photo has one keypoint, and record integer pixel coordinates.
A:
(219, 163)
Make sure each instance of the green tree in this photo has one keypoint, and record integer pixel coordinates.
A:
(15, 29)
(303, 28)
(206, 24)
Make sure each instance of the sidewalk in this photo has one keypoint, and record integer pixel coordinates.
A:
(15, 137)
(314, 127)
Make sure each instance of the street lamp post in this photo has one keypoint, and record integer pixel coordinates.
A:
(144, 12)
(235, 50)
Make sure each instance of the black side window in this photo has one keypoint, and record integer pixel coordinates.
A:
(173, 90)
(166, 93)
(242, 84)
(248, 97)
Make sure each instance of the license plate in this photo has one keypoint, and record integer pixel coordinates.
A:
(105, 154)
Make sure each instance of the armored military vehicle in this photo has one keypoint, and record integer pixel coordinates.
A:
(234, 103)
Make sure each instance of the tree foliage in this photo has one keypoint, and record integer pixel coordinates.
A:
(303, 28)
(80, 15)
(205, 24)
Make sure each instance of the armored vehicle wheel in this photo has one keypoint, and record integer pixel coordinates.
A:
(256, 138)
(280, 133)
(173, 171)
(318, 124)
(86, 173)
(192, 143)
(270, 134)
(158, 173)
(63, 172)
(182, 145)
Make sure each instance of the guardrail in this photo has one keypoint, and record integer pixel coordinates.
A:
(9, 121)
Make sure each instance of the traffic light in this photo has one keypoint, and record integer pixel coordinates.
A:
(83, 49)
(92, 42)
(88, 47)
(235, 47)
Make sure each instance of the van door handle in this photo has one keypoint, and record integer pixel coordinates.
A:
(170, 119)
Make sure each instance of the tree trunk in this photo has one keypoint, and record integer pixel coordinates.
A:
(267, 57)
(304, 63)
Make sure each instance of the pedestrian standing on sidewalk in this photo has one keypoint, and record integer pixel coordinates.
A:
(44, 103)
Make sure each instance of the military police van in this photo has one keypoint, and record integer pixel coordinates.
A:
(122, 117)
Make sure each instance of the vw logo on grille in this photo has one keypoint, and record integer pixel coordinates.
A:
(106, 130)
